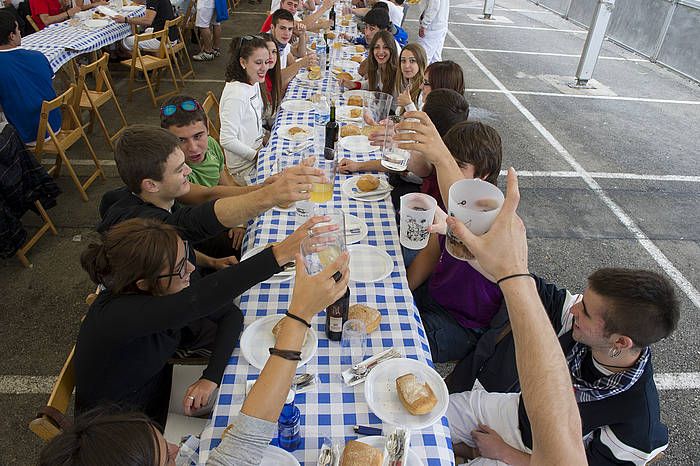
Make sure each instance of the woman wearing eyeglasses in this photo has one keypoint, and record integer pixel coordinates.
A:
(439, 75)
(149, 310)
(241, 107)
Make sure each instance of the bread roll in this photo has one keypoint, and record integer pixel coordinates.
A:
(418, 398)
(345, 23)
(360, 454)
(357, 58)
(359, 48)
(355, 101)
(295, 130)
(369, 315)
(367, 183)
(337, 45)
(349, 130)
(330, 35)
(355, 112)
(344, 75)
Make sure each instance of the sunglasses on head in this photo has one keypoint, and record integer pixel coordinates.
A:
(250, 37)
(187, 105)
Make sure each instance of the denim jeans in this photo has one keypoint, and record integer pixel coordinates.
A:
(448, 340)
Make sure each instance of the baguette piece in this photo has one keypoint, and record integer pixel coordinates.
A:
(360, 454)
(369, 315)
(417, 398)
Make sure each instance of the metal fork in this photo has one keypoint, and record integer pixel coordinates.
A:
(360, 370)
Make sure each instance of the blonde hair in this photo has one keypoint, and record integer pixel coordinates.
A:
(413, 84)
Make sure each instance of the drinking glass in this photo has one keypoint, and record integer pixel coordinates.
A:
(323, 192)
(393, 157)
(321, 248)
(283, 162)
(353, 343)
(475, 203)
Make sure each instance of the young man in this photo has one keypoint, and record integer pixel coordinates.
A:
(377, 19)
(209, 31)
(45, 12)
(157, 13)
(313, 22)
(25, 82)
(152, 166)
(605, 334)
(433, 28)
(292, 57)
(394, 7)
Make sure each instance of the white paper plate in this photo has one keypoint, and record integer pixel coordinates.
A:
(304, 76)
(352, 222)
(351, 49)
(275, 456)
(346, 65)
(354, 76)
(349, 188)
(343, 113)
(378, 441)
(383, 400)
(358, 144)
(257, 338)
(297, 105)
(96, 23)
(283, 132)
(283, 276)
(369, 263)
(130, 8)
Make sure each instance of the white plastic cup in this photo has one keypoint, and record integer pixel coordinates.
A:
(416, 212)
(475, 203)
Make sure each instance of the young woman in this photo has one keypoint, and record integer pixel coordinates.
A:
(383, 63)
(409, 76)
(241, 108)
(273, 92)
(117, 439)
(150, 309)
(439, 75)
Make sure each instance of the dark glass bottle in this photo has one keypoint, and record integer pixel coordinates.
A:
(331, 18)
(336, 316)
(328, 51)
(332, 129)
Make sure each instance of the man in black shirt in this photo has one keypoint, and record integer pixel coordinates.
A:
(157, 13)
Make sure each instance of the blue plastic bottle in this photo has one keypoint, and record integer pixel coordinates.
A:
(289, 433)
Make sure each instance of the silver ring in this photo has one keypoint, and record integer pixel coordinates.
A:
(190, 397)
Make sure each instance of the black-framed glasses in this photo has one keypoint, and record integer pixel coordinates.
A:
(180, 268)
(426, 82)
(187, 105)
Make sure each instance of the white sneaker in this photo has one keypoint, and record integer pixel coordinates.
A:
(203, 56)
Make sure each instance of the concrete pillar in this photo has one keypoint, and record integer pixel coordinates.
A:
(488, 8)
(594, 42)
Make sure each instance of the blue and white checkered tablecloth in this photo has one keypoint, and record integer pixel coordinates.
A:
(61, 42)
(332, 409)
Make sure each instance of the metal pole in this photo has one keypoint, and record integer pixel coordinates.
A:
(594, 42)
(488, 8)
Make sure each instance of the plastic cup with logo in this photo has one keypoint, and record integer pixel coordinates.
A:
(417, 212)
(475, 203)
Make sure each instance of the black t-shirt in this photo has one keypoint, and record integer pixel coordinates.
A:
(164, 11)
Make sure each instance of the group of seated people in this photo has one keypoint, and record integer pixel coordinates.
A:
(168, 265)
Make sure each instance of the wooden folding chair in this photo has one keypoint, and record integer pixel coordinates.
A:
(51, 419)
(145, 63)
(189, 21)
(93, 99)
(31, 22)
(178, 50)
(59, 143)
(47, 226)
(211, 108)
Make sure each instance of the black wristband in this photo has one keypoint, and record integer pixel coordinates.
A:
(515, 275)
(289, 355)
(298, 319)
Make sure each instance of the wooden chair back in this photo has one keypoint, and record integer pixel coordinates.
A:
(32, 23)
(211, 108)
(152, 60)
(178, 50)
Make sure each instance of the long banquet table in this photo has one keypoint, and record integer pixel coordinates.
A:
(332, 409)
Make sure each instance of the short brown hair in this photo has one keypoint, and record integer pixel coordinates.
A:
(478, 144)
(641, 304)
(446, 108)
(446, 75)
(130, 251)
(182, 117)
(141, 152)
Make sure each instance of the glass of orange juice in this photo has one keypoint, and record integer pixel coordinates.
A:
(323, 192)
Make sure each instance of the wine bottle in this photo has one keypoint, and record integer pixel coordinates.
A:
(336, 316)
(332, 129)
(331, 18)
(328, 51)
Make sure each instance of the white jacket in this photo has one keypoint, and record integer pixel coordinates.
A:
(435, 15)
(241, 112)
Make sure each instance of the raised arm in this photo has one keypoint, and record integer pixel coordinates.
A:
(550, 406)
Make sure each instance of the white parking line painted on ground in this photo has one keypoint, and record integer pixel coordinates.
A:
(514, 10)
(43, 384)
(586, 96)
(547, 54)
(508, 26)
(621, 215)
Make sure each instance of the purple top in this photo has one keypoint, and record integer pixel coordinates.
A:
(466, 294)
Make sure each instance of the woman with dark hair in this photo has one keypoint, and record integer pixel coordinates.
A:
(439, 75)
(149, 310)
(409, 76)
(383, 63)
(111, 440)
(241, 108)
(273, 92)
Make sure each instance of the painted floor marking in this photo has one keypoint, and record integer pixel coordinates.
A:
(548, 54)
(508, 26)
(622, 216)
(585, 96)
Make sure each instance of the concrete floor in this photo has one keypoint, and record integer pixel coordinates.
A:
(567, 210)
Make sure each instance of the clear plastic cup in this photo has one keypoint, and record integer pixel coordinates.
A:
(320, 249)
(353, 343)
(475, 203)
(417, 212)
(323, 192)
